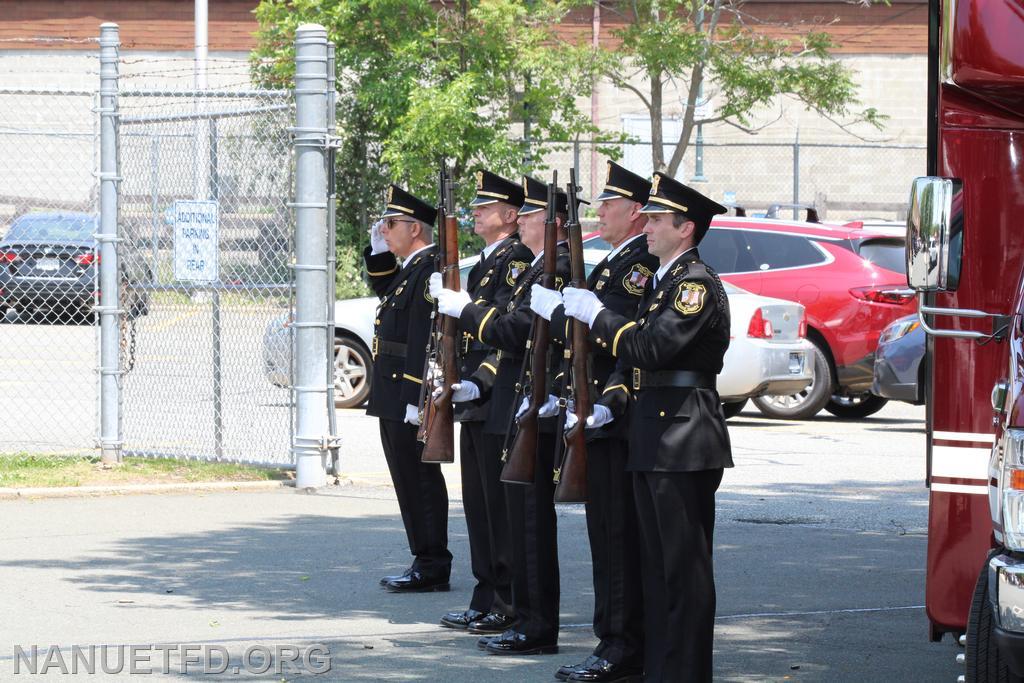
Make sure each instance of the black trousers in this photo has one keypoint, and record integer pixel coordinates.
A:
(422, 498)
(534, 533)
(676, 511)
(483, 499)
(614, 550)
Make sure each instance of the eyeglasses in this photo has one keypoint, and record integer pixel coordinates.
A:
(392, 222)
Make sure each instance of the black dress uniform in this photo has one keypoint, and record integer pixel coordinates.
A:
(401, 330)
(490, 283)
(619, 282)
(531, 511)
(665, 380)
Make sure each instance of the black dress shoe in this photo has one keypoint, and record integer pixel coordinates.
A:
(461, 620)
(416, 582)
(515, 643)
(385, 579)
(603, 670)
(481, 643)
(495, 622)
(567, 670)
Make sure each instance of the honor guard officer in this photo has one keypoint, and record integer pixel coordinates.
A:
(618, 281)
(401, 330)
(490, 283)
(668, 359)
(531, 510)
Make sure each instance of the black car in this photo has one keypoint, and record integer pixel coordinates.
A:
(49, 266)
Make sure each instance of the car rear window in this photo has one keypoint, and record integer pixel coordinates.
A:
(726, 251)
(885, 253)
(771, 251)
(52, 229)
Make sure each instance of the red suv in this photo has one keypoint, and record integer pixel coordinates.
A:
(852, 282)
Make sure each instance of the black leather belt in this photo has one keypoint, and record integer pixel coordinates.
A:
(387, 348)
(643, 379)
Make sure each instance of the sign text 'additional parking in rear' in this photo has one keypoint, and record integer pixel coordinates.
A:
(195, 241)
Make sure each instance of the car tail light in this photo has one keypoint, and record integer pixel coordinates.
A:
(883, 295)
(9, 257)
(87, 259)
(759, 328)
(801, 328)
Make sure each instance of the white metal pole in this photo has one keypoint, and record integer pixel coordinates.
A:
(312, 438)
(202, 21)
(109, 306)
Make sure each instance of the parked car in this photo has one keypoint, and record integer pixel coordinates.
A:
(899, 362)
(852, 282)
(768, 352)
(49, 268)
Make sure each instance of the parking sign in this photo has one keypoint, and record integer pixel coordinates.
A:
(195, 241)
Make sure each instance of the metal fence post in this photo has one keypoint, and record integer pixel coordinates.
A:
(310, 141)
(109, 305)
(796, 175)
(332, 252)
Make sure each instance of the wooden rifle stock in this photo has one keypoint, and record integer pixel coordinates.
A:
(429, 373)
(439, 418)
(521, 465)
(571, 475)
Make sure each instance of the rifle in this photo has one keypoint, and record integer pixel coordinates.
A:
(570, 474)
(430, 373)
(521, 461)
(438, 423)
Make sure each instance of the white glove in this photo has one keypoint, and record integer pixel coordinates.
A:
(377, 243)
(581, 304)
(601, 416)
(412, 414)
(549, 409)
(451, 303)
(544, 301)
(436, 284)
(462, 391)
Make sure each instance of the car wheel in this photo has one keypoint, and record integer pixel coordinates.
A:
(806, 403)
(983, 661)
(853, 407)
(733, 408)
(352, 369)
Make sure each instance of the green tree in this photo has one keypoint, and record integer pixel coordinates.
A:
(708, 47)
(420, 80)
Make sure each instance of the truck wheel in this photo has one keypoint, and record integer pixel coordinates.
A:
(733, 408)
(982, 660)
(851, 408)
(808, 402)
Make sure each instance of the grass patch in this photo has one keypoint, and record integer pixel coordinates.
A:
(26, 470)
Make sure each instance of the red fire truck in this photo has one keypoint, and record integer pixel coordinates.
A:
(965, 257)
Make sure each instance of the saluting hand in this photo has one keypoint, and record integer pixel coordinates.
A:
(544, 301)
(581, 304)
(377, 243)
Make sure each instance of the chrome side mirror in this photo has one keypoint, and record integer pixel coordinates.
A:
(935, 228)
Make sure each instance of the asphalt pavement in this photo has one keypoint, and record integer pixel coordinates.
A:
(819, 554)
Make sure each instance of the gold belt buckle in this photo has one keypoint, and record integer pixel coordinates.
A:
(636, 379)
(375, 347)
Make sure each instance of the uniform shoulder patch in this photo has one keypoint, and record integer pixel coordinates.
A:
(636, 279)
(690, 298)
(515, 269)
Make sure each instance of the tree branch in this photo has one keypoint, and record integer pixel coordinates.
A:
(624, 84)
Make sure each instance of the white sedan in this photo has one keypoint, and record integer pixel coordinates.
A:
(768, 350)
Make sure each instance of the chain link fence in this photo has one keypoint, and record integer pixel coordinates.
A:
(842, 181)
(184, 196)
(48, 214)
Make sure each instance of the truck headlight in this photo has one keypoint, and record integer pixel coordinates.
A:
(1011, 488)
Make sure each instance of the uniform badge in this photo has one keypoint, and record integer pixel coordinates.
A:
(391, 191)
(399, 290)
(678, 269)
(599, 286)
(608, 174)
(487, 278)
(654, 185)
(606, 272)
(636, 279)
(515, 269)
(479, 180)
(426, 292)
(690, 298)
(559, 283)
